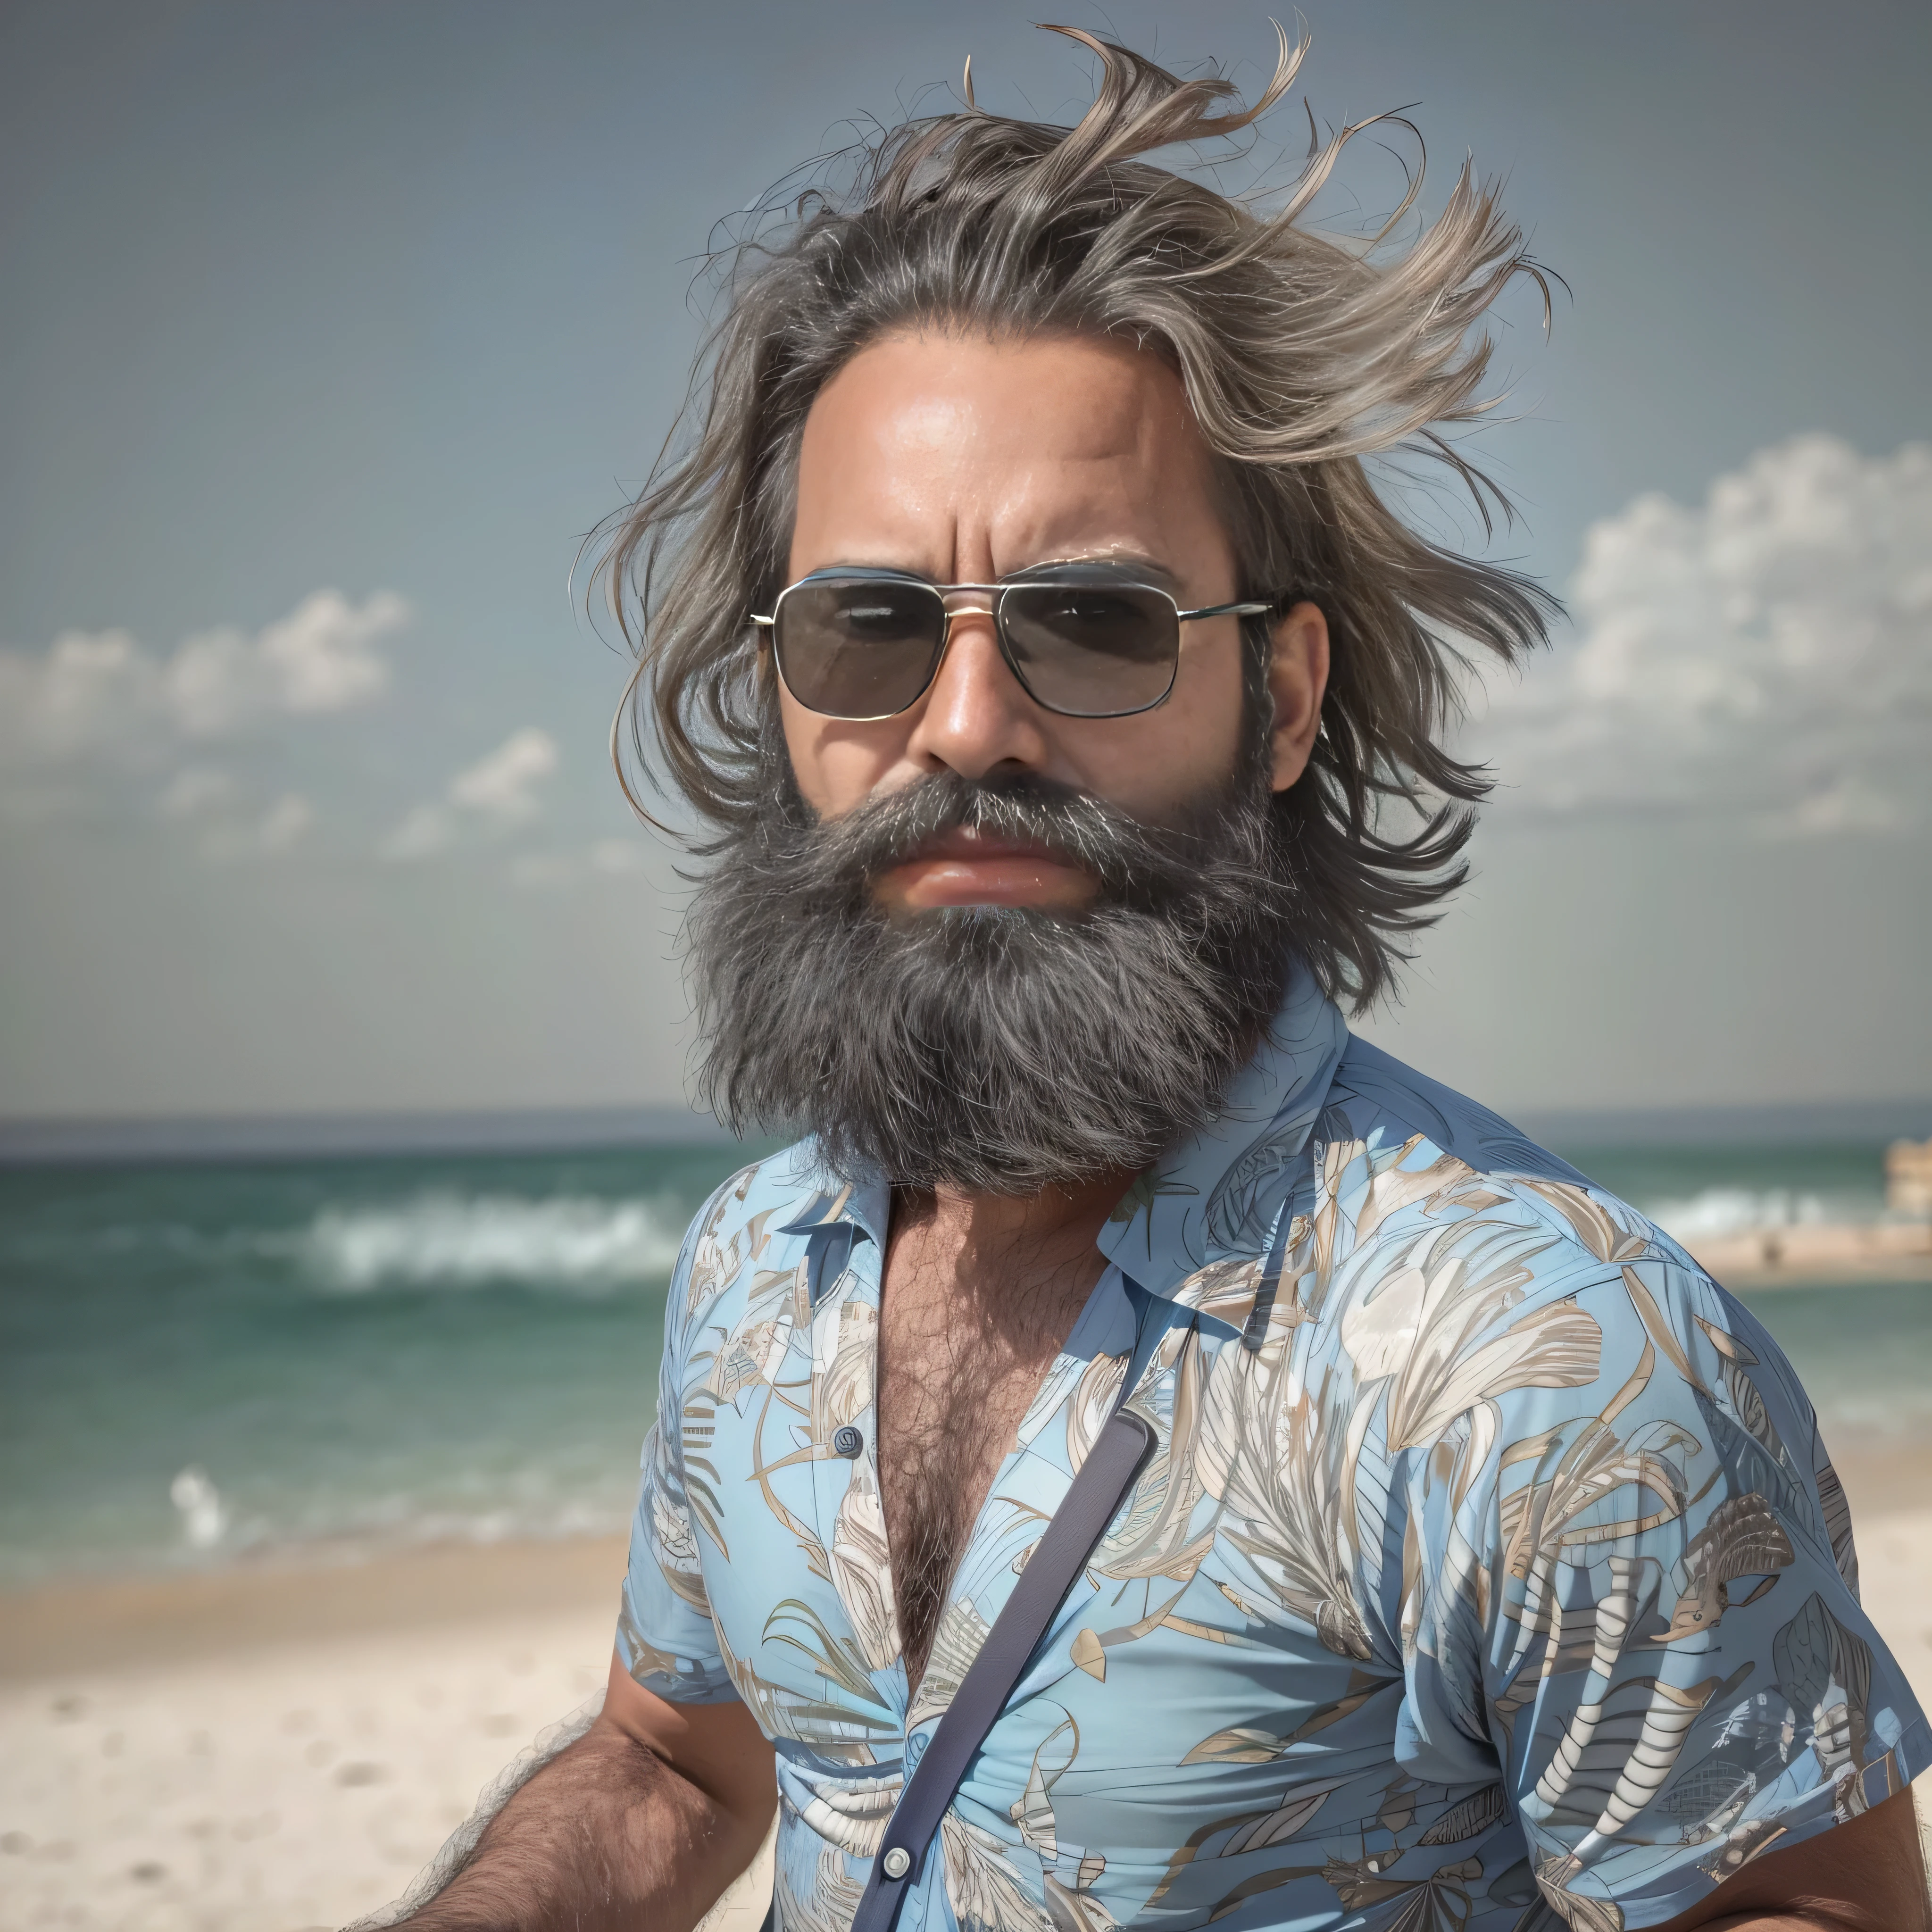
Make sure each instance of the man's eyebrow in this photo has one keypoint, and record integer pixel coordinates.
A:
(1130, 566)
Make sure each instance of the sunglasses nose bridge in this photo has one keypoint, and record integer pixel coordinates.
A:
(955, 608)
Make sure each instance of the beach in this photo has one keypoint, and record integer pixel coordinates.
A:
(284, 1746)
(315, 1473)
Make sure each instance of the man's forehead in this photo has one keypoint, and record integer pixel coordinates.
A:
(953, 455)
(953, 408)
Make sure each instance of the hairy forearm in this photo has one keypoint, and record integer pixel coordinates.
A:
(606, 1835)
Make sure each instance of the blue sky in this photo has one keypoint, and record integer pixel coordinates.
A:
(395, 303)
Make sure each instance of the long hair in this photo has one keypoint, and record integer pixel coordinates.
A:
(1300, 357)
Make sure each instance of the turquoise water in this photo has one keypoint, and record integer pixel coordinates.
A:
(352, 1354)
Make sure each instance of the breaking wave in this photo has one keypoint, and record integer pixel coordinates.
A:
(575, 1243)
(1718, 1211)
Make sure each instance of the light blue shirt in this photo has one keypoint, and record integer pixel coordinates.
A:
(1488, 1575)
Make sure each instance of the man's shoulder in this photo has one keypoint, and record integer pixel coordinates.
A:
(1405, 1157)
(1373, 1092)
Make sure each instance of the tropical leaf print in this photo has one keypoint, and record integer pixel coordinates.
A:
(1424, 1329)
(829, 1904)
(1032, 1811)
(841, 1383)
(1157, 1536)
(1743, 1537)
(983, 1887)
(852, 1813)
(643, 1658)
(1837, 1512)
(1445, 1603)
(862, 1570)
(1825, 1670)
(1278, 1468)
(796, 1625)
(1475, 1815)
(672, 1527)
(1073, 1909)
(1605, 1228)
(1619, 1753)
(1709, 1798)
(1743, 1843)
(1578, 1910)
(956, 1643)
(1562, 1518)
(1440, 1903)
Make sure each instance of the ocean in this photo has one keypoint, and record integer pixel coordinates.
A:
(208, 1362)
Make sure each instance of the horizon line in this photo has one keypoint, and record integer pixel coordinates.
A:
(81, 1139)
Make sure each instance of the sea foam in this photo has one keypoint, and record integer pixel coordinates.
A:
(1718, 1211)
(449, 1240)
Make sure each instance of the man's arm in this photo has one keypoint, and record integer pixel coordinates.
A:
(1866, 1875)
(644, 1820)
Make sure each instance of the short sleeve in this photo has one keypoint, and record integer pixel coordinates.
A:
(665, 1634)
(1636, 1596)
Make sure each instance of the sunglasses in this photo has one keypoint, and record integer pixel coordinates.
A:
(864, 644)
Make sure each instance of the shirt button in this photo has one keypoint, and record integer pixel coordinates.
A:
(847, 1441)
(898, 1862)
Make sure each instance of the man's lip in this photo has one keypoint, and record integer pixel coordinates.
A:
(965, 843)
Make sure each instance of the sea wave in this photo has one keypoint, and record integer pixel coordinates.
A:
(1716, 1212)
(576, 1243)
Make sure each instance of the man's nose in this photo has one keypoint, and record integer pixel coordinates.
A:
(976, 717)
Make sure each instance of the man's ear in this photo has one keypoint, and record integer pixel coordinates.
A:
(1297, 676)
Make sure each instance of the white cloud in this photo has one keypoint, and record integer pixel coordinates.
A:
(500, 789)
(502, 786)
(104, 694)
(428, 830)
(280, 829)
(1767, 656)
(229, 823)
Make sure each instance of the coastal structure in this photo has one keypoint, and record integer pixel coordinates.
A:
(1896, 1246)
(1908, 1179)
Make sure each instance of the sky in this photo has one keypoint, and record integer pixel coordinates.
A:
(330, 330)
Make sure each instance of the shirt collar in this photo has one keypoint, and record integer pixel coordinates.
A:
(1194, 1228)
(835, 1218)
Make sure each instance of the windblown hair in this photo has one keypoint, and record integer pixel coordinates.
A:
(1300, 355)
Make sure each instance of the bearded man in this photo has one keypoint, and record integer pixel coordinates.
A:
(1025, 623)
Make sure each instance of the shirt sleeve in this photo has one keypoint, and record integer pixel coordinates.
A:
(665, 1634)
(1636, 1595)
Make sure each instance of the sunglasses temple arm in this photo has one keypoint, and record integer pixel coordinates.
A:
(1224, 610)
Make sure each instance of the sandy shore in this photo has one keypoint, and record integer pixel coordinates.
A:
(1811, 1252)
(277, 1749)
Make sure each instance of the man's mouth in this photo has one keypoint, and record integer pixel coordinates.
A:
(967, 866)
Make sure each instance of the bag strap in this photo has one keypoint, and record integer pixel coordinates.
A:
(1098, 1487)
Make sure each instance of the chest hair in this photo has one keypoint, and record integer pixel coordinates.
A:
(966, 1336)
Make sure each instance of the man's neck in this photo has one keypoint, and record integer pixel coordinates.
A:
(1054, 1229)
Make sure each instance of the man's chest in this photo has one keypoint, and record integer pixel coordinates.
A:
(960, 1359)
(1216, 1681)
(1221, 1599)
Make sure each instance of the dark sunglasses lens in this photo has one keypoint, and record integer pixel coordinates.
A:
(855, 647)
(1092, 650)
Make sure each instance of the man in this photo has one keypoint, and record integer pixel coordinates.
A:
(1025, 623)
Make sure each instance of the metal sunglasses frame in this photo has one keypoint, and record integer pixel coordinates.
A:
(997, 593)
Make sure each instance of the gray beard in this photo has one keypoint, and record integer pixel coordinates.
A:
(988, 1049)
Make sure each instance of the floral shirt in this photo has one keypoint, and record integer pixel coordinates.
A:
(1488, 1574)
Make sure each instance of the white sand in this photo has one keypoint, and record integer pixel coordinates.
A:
(304, 1783)
(286, 1787)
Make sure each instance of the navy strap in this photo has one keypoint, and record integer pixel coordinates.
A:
(1098, 1489)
